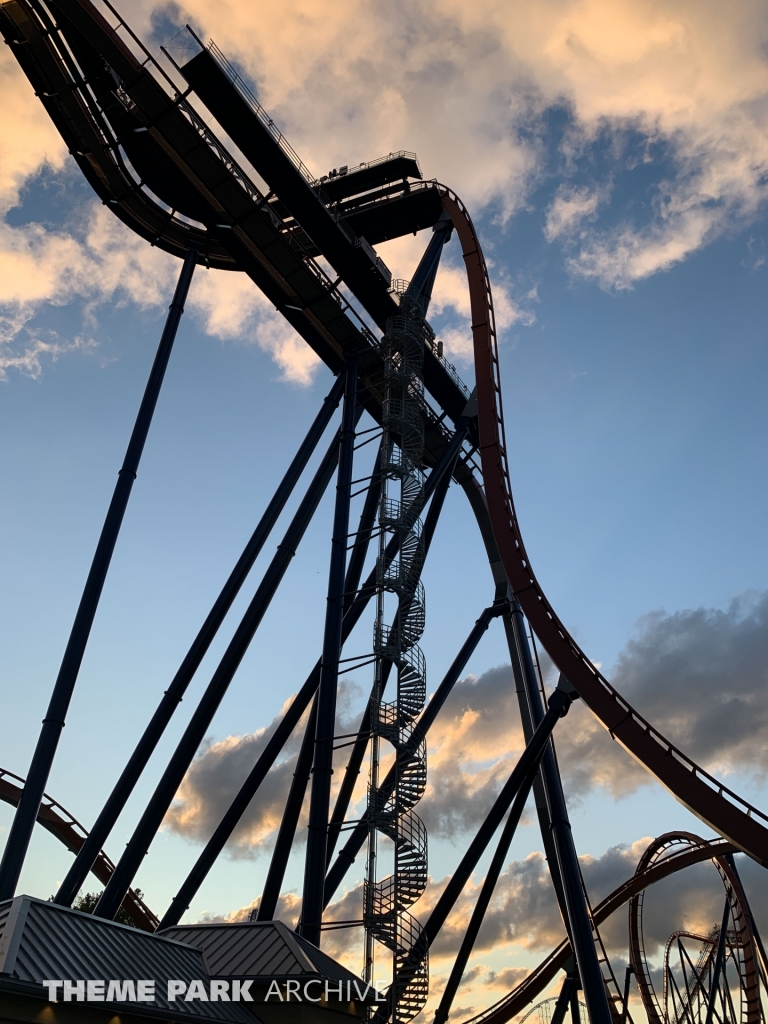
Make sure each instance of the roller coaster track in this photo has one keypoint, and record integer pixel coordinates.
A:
(646, 875)
(112, 103)
(661, 850)
(717, 806)
(60, 823)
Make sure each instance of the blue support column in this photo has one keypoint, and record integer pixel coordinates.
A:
(161, 799)
(322, 766)
(579, 924)
(53, 723)
(172, 697)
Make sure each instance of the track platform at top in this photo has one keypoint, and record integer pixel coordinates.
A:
(152, 158)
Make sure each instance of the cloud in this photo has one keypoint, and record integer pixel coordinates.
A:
(28, 139)
(218, 771)
(231, 307)
(523, 912)
(523, 919)
(470, 87)
(698, 675)
(569, 209)
(689, 79)
(104, 262)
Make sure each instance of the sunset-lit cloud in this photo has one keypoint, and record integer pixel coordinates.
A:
(682, 671)
(680, 88)
(107, 263)
(28, 139)
(605, 141)
(467, 87)
(523, 919)
(221, 767)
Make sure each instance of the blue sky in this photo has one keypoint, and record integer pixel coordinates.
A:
(620, 203)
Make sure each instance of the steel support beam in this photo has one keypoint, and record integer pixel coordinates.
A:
(290, 720)
(714, 988)
(625, 997)
(55, 717)
(575, 1009)
(520, 777)
(290, 820)
(354, 764)
(527, 763)
(322, 764)
(763, 960)
(423, 280)
(579, 924)
(357, 838)
(483, 902)
(198, 725)
(563, 1000)
(172, 697)
(539, 794)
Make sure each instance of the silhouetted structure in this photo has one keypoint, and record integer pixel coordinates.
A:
(131, 123)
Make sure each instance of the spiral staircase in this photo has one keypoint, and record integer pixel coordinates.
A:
(387, 900)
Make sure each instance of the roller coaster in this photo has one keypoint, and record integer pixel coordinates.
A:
(138, 126)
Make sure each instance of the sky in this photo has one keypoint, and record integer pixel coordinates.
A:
(615, 161)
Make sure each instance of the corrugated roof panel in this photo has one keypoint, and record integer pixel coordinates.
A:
(258, 949)
(49, 941)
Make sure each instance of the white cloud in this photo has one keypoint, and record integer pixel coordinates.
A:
(220, 768)
(466, 84)
(698, 675)
(569, 209)
(28, 139)
(108, 263)
(467, 87)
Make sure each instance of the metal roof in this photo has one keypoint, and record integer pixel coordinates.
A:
(41, 940)
(259, 949)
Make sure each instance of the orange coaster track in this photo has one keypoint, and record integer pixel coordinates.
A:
(147, 126)
(717, 806)
(681, 850)
(68, 830)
